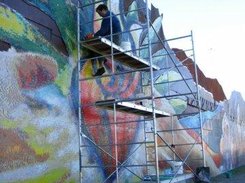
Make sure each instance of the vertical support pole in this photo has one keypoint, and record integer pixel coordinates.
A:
(152, 93)
(114, 105)
(115, 136)
(172, 118)
(79, 88)
(173, 137)
(199, 103)
(111, 37)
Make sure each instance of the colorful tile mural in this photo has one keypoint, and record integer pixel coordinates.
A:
(39, 102)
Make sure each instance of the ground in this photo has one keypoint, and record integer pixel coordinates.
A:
(234, 176)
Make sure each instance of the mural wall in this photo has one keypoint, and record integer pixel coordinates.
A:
(39, 99)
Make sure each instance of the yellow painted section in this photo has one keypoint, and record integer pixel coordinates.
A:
(10, 23)
(8, 124)
(88, 72)
(71, 44)
(53, 176)
(87, 69)
(63, 80)
(34, 134)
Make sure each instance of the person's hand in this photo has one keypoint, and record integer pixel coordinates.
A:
(89, 36)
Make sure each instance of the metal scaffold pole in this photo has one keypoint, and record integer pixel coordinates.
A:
(199, 103)
(79, 87)
(152, 93)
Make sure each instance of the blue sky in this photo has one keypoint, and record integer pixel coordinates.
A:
(219, 36)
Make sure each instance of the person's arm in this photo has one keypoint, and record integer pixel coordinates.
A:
(105, 28)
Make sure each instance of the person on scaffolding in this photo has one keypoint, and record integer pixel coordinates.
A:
(105, 31)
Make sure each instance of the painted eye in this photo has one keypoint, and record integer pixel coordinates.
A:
(46, 99)
(42, 107)
(36, 104)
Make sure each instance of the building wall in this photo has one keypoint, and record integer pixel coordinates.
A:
(39, 100)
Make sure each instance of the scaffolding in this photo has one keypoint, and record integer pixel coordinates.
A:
(140, 110)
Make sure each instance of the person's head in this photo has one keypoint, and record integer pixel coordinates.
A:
(102, 10)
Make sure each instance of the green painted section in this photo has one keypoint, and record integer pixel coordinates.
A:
(7, 124)
(53, 176)
(34, 140)
(179, 105)
(64, 14)
(163, 82)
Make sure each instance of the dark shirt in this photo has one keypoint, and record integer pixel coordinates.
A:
(105, 29)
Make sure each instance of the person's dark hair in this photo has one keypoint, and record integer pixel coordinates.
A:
(102, 7)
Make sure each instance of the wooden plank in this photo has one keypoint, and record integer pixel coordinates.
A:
(103, 46)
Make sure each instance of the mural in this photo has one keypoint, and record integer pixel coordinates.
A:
(39, 102)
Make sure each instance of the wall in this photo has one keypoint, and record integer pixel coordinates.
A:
(39, 99)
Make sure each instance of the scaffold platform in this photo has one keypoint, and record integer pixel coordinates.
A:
(104, 47)
(131, 107)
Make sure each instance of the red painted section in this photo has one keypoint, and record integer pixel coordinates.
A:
(104, 132)
(34, 71)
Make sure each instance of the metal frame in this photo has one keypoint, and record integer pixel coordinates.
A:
(126, 105)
